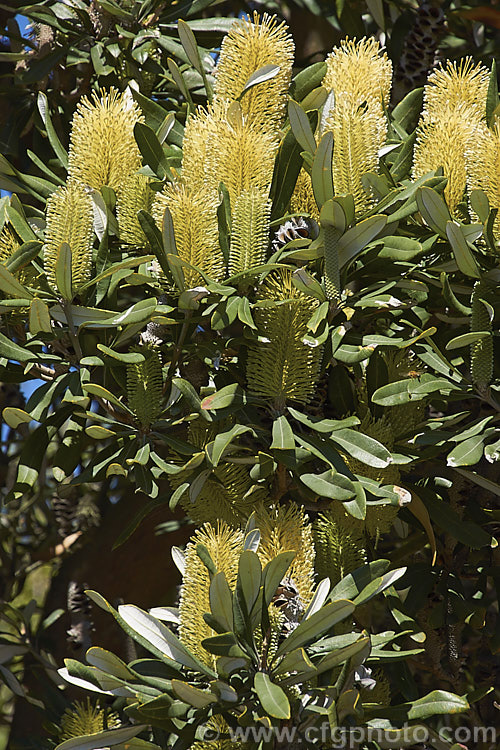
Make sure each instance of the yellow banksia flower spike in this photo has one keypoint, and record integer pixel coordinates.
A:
(482, 158)
(70, 218)
(228, 494)
(249, 46)
(286, 527)
(481, 351)
(103, 150)
(145, 387)
(303, 200)
(86, 718)
(9, 243)
(360, 76)
(224, 545)
(133, 195)
(359, 132)
(442, 139)
(454, 106)
(359, 69)
(250, 230)
(459, 83)
(281, 367)
(221, 145)
(339, 547)
(194, 215)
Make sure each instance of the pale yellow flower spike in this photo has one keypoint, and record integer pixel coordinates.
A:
(250, 230)
(359, 132)
(194, 214)
(8, 244)
(103, 150)
(220, 145)
(461, 83)
(482, 157)
(246, 48)
(286, 527)
(70, 219)
(302, 200)
(225, 546)
(359, 70)
(282, 367)
(133, 195)
(442, 139)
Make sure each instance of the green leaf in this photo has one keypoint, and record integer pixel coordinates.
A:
(224, 439)
(461, 250)
(114, 268)
(63, 271)
(10, 350)
(466, 338)
(188, 41)
(39, 317)
(330, 484)
(446, 518)
(301, 128)
(467, 453)
(436, 703)
(108, 662)
(11, 286)
(433, 209)
(102, 739)
(492, 95)
(283, 438)
(260, 76)
(294, 661)
(310, 629)
(59, 150)
(321, 172)
(272, 698)
(287, 168)
(150, 148)
(378, 585)
(249, 578)
(274, 572)
(229, 396)
(331, 660)
(400, 248)
(125, 357)
(193, 696)
(364, 448)
(154, 632)
(13, 416)
(358, 237)
(352, 584)
(221, 601)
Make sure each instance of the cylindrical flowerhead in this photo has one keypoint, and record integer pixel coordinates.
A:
(442, 139)
(481, 351)
(282, 366)
(85, 718)
(459, 83)
(194, 215)
(224, 545)
(250, 230)
(103, 150)
(339, 547)
(359, 132)
(248, 47)
(133, 195)
(228, 494)
(358, 71)
(221, 145)
(303, 200)
(286, 527)
(145, 387)
(70, 218)
(9, 243)
(482, 157)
